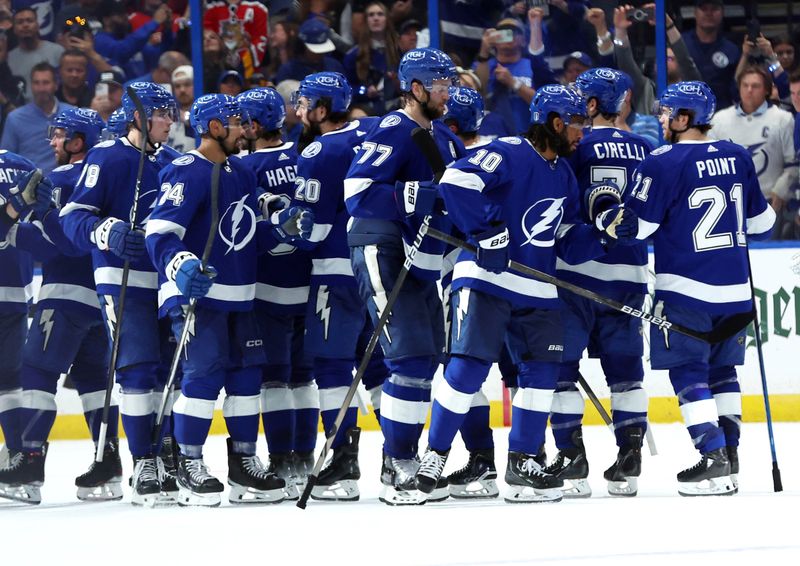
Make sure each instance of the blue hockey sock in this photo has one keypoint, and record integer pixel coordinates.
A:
(624, 376)
(727, 393)
(699, 411)
(93, 397)
(192, 420)
(334, 377)
(278, 415)
(531, 406)
(241, 417)
(38, 412)
(566, 414)
(306, 415)
(475, 430)
(136, 409)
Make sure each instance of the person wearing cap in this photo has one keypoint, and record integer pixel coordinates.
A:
(576, 63)
(230, 83)
(407, 35)
(314, 48)
(181, 134)
(715, 56)
(31, 48)
(108, 94)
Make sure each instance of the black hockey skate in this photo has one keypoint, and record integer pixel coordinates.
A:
(250, 481)
(146, 481)
(528, 483)
(303, 466)
(22, 478)
(195, 485)
(337, 480)
(430, 470)
(733, 458)
(399, 487)
(282, 465)
(623, 475)
(102, 481)
(168, 472)
(572, 466)
(710, 476)
(476, 480)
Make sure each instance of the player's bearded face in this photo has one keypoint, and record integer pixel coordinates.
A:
(235, 134)
(57, 141)
(434, 107)
(309, 116)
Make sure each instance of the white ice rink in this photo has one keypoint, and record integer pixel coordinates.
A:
(756, 527)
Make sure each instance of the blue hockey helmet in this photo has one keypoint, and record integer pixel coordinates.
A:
(116, 126)
(209, 107)
(153, 97)
(465, 106)
(84, 121)
(606, 85)
(425, 65)
(694, 96)
(559, 99)
(330, 85)
(265, 106)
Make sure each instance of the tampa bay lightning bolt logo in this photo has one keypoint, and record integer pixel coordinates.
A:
(237, 226)
(760, 157)
(540, 222)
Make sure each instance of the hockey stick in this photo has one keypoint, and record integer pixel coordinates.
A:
(651, 443)
(126, 267)
(422, 138)
(188, 319)
(729, 328)
(777, 484)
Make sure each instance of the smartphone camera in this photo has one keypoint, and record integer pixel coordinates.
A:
(640, 15)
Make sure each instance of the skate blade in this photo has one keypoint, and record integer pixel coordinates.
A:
(343, 490)
(713, 486)
(145, 500)
(438, 494)
(290, 492)
(109, 491)
(628, 487)
(397, 497)
(26, 493)
(526, 494)
(188, 498)
(478, 489)
(576, 489)
(243, 495)
(735, 480)
(167, 498)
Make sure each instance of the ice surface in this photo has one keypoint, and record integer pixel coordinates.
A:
(755, 527)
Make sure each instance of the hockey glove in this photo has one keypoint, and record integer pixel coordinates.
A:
(117, 236)
(292, 223)
(493, 252)
(270, 203)
(620, 223)
(599, 197)
(25, 195)
(418, 198)
(191, 280)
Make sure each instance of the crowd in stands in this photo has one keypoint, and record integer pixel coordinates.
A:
(83, 52)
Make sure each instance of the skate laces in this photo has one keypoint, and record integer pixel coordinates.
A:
(432, 465)
(253, 466)
(197, 470)
(14, 461)
(146, 470)
(531, 467)
(406, 469)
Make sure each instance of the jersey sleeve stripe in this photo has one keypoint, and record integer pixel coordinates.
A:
(320, 232)
(281, 295)
(606, 271)
(646, 229)
(331, 266)
(113, 276)
(158, 226)
(73, 206)
(762, 222)
(67, 292)
(463, 180)
(507, 280)
(355, 186)
(717, 294)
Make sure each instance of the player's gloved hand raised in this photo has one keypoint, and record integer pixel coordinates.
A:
(493, 253)
(599, 197)
(419, 198)
(120, 238)
(192, 281)
(292, 223)
(33, 191)
(620, 223)
(270, 203)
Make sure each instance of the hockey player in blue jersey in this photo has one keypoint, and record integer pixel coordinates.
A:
(337, 323)
(97, 219)
(116, 126)
(516, 199)
(289, 402)
(67, 334)
(224, 345)
(700, 200)
(387, 192)
(603, 165)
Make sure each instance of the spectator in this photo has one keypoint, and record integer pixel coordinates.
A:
(181, 134)
(167, 63)
(315, 40)
(78, 36)
(11, 88)
(282, 44)
(468, 78)
(126, 50)
(230, 83)
(574, 64)
(243, 25)
(463, 23)
(45, 15)
(794, 89)
(217, 58)
(407, 36)
(31, 48)
(87, 9)
(6, 17)
(716, 57)
(766, 131)
(292, 127)
(108, 94)
(148, 10)
(25, 130)
(565, 30)
(73, 71)
(371, 66)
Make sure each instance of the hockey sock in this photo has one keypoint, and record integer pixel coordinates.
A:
(333, 377)
(306, 415)
(375, 398)
(475, 430)
(374, 377)
(277, 414)
(242, 406)
(93, 396)
(624, 376)
(699, 411)
(136, 409)
(462, 379)
(157, 397)
(192, 421)
(404, 406)
(38, 412)
(531, 406)
(566, 415)
(727, 393)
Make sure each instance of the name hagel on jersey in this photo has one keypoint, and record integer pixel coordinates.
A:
(609, 155)
(713, 199)
(320, 169)
(16, 276)
(283, 272)
(181, 220)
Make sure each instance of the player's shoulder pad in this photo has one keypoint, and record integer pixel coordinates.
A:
(312, 149)
(63, 168)
(661, 150)
(391, 120)
(102, 144)
(183, 160)
(511, 140)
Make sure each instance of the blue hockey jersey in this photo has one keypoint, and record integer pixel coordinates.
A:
(283, 272)
(388, 155)
(180, 223)
(509, 181)
(321, 170)
(16, 272)
(106, 189)
(699, 201)
(608, 154)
